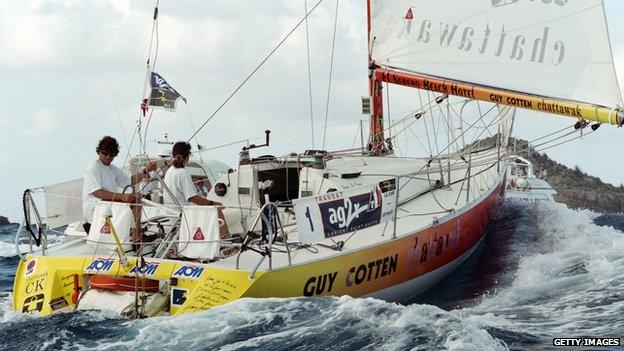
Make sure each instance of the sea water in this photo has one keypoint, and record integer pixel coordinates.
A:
(543, 271)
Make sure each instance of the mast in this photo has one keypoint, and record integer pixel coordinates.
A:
(549, 105)
(376, 138)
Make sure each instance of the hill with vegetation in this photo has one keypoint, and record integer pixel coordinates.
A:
(575, 188)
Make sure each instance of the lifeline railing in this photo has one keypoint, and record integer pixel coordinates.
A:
(25, 225)
(269, 215)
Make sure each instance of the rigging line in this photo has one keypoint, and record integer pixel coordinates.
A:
(149, 50)
(142, 143)
(123, 133)
(433, 195)
(465, 131)
(496, 119)
(188, 110)
(331, 70)
(565, 141)
(407, 120)
(223, 145)
(305, 4)
(461, 122)
(557, 138)
(135, 133)
(356, 135)
(262, 138)
(408, 117)
(548, 135)
(425, 123)
(433, 126)
(255, 70)
(484, 125)
(446, 120)
(388, 108)
(417, 138)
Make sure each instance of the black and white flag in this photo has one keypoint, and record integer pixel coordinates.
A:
(163, 95)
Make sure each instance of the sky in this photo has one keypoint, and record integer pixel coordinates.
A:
(72, 71)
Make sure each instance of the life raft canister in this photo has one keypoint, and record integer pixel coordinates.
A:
(123, 283)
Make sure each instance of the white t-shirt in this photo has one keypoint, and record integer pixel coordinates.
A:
(99, 176)
(179, 182)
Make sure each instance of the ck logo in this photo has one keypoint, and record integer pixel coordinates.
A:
(35, 286)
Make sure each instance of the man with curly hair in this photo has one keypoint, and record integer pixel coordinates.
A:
(102, 179)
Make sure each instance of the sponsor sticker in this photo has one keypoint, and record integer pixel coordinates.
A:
(58, 303)
(189, 272)
(178, 296)
(34, 286)
(150, 268)
(30, 267)
(101, 265)
(346, 211)
(33, 303)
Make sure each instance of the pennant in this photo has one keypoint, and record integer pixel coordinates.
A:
(163, 95)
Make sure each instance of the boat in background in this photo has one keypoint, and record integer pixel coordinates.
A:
(360, 222)
(522, 184)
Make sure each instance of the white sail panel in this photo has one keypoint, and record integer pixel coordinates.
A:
(554, 48)
(63, 203)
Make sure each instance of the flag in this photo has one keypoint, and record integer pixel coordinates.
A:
(163, 95)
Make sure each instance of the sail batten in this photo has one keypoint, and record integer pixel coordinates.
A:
(558, 49)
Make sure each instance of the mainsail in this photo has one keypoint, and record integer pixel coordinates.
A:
(547, 55)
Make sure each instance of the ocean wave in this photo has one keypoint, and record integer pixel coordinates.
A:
(277, 324)
(567, 282)
(542, 271)
(7, 244)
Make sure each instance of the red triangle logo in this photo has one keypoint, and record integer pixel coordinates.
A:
(105, 229)
(409, 15)
(199, 235)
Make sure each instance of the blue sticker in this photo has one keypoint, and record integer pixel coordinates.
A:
(178, 296)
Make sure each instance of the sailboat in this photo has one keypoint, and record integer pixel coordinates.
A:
(362, 222)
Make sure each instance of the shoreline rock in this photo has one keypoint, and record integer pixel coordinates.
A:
(4, 221)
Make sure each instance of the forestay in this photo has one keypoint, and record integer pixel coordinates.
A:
(552, 48)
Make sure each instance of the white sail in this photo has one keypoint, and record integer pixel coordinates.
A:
(553, 48)
(63, 203)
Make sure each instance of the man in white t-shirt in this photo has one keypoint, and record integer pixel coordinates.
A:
(102, 179)
(178, 181)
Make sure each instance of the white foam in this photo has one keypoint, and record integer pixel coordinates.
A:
(327, 322)
(569, 285)
(7, 248)
(6, 309)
